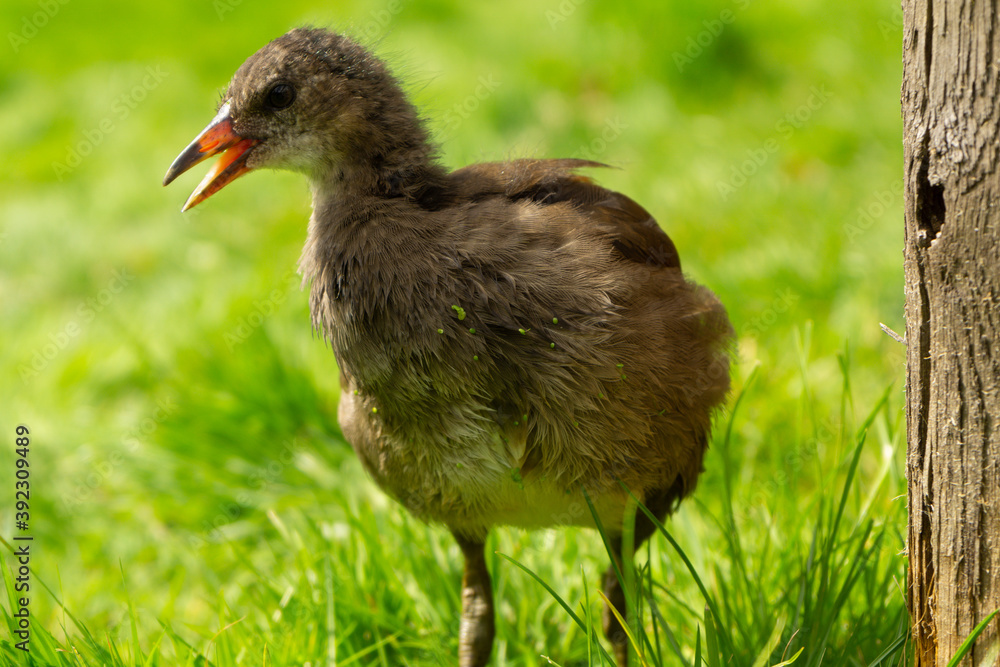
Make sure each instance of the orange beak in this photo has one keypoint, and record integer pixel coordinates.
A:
(217, 138)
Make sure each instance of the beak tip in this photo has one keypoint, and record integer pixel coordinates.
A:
(171, 175)
(182, 163)
(196, 198)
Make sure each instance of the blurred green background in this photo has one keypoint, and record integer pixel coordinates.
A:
(186, 462)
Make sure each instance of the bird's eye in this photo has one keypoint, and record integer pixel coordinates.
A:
(280, 96)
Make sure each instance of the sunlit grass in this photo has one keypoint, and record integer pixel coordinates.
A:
(818, 578)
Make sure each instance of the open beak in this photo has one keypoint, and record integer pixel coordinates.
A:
(217, 138)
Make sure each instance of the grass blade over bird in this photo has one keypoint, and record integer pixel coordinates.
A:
(508, 334)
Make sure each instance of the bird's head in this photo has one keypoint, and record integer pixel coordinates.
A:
(311, 101)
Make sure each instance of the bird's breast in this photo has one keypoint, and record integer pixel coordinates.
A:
(466, 474)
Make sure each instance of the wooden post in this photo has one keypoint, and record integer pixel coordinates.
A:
(951, 137)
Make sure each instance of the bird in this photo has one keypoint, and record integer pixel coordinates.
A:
(517, 345)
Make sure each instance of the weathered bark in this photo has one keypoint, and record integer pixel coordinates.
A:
(951, 118)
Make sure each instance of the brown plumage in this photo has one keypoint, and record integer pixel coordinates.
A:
(509, 335)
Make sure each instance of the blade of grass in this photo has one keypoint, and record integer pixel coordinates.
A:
(331, 619)
(644, 574)
(711, 643)
(607, 543)
(890, 650)
(671, 639)
(633, 602)
(587, 614)
(628, 631)
(137, 653)
(727, 472)
(966, 646)
(562, 603)
(772, 642)
(852, 469)
(153, 652)
(368, 649)
(687, 563)
(785, 663)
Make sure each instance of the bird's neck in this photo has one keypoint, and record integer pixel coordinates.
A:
(390, 155)
(408, 174)
(373, 208)
(372, 232)
(373, 236)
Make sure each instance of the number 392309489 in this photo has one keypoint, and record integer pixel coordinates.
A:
(22, 486)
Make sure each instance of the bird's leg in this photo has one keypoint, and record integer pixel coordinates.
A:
(659, 503)
(475, 633)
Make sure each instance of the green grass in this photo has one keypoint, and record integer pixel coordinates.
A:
(193, 501)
